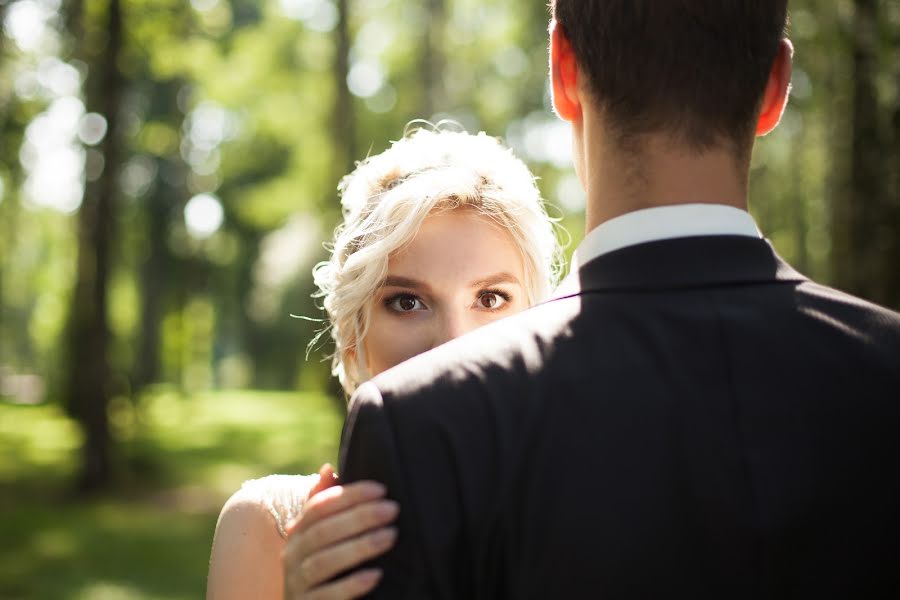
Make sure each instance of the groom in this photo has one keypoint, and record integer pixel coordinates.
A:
(690, 417)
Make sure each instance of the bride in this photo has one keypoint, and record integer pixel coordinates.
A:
(443, 232)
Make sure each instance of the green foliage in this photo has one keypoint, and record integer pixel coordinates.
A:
(186, 455)
(239, 99)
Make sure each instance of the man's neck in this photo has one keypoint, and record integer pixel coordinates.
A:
(660, 174)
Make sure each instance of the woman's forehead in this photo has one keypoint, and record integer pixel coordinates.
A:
(458, 247)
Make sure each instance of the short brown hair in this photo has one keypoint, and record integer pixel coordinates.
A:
(696, 69)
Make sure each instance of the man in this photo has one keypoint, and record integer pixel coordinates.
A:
(689, 417)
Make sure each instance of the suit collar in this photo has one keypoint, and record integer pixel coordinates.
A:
(683, 263)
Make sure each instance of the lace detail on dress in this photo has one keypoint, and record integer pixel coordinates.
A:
(283, 496)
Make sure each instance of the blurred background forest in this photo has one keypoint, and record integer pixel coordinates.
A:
(168, 175)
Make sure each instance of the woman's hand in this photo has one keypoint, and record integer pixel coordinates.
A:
(342, 526)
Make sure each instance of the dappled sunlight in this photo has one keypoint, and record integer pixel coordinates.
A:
(36, 437)
(161, 214)
(54, 544)
(108, 590)
(81, 550)
(203, 215)
(152, 539)
(53, 158)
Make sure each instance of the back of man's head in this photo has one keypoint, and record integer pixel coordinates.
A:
(695, 69)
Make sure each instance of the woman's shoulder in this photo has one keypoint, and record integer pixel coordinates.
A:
(250, 534)
(280, 497)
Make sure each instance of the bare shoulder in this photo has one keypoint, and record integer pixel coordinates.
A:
(246, 514)
(246, 555)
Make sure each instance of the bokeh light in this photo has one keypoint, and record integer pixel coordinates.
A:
(203, 216)
(52, 157)
(92, 129)
(365, 78)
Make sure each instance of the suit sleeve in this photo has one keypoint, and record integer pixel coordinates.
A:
(369, 451)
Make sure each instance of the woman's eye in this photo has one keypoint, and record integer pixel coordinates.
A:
(405, 303)
(492, 300)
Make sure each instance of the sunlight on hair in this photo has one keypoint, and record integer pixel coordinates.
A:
(388, 197)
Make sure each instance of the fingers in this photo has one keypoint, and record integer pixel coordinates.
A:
(337, 499)
(341, 527)
(345, 525)
(327, 479)
(353, 586)
(323, 565)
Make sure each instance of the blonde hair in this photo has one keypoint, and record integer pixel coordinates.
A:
(387, 198)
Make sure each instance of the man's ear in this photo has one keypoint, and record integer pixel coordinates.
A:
(564, 75)
(777, 91)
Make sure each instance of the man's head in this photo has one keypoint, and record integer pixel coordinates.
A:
(696, 70)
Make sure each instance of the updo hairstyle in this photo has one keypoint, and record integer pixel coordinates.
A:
(386, 199)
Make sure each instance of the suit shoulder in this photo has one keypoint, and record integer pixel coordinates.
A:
(856, 312)
(492, 357)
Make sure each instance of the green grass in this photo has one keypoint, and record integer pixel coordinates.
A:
(178, 460)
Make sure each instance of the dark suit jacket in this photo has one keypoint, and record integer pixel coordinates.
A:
(699, 421)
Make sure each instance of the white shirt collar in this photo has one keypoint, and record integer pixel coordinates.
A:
(664, 223)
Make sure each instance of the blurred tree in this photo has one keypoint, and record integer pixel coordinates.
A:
(854, 221)
(6, 219)
(345, 133)
(15, 345)
(89, 374)
(159, 274)
(258, 109)
(865, 224)
(431, 64)
(343, 117)
(156, 175)
(892, 259)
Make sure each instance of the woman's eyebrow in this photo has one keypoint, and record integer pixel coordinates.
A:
(404, 282)
(496, 278)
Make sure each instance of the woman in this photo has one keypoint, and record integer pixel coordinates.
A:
(442, 233)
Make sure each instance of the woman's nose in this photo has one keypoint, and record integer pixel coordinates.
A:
(453, 325)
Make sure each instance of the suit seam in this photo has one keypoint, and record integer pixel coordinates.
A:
(755, 542)
(404, 472)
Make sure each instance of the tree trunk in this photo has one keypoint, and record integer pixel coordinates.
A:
(431, 67)
(344, 126)
(89, 372)
(799, 221)
(153, 286)
(6, 244)
(892, 272)
(859, 235)
(343, 121)
(158, 275)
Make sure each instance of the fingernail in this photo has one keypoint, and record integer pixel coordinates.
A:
(384, 537)
(369, 576)
(387, 509)
(373, 489)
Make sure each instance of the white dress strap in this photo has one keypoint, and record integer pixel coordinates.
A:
(282, 495)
